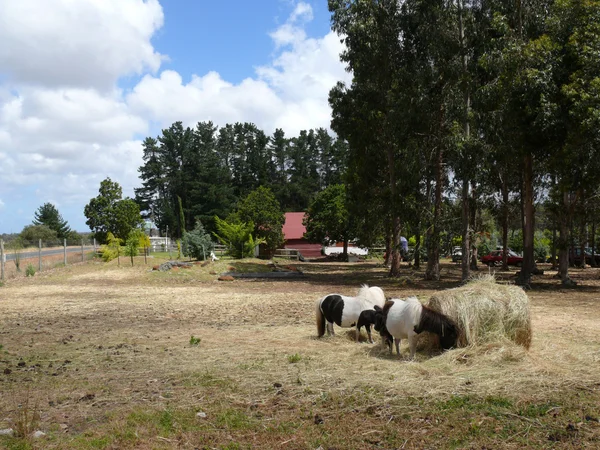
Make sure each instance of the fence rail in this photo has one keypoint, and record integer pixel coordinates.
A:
(288, 253)
(16, 257)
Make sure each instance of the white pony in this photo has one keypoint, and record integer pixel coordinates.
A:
(344, 311)
(405, 319)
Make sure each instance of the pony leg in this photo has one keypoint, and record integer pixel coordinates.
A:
(331, 332)
(412, 344)
(357, 334)
(397, 342)
(368, 327)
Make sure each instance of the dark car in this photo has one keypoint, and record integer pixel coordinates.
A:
(575, 256)
(494, 258)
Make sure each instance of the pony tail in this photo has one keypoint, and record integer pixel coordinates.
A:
(320, 319)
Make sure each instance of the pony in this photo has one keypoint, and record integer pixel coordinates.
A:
(408, 318)
(376, 318)
(344, 311)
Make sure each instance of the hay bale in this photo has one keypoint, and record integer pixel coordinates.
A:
(486, 312)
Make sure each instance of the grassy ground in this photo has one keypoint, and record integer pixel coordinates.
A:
(99, 356)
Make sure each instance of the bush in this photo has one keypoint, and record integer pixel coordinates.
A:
(30, 270)
(237, 237)
(111, 250)
(197, 243)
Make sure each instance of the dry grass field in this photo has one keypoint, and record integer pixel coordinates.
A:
(102, 357)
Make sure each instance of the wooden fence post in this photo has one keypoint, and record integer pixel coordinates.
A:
(65, 251)
(82, 259)
(2, 260)
(40, 255)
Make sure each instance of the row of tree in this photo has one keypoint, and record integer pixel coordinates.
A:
(204, 172)
(469, 103)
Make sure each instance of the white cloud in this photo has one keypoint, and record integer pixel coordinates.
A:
(86, 43)
(290, 93)
(65, 126)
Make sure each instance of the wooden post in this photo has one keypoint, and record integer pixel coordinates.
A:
(40, 255)
(65, 251)
(82, 258)
(145, 254)
(95, 249)
(2, 260)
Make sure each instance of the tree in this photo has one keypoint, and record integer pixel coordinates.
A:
(327, 219)
(48, 215)
(33, 233)
(132, 243)
(108, 212)
(197, 243)
(262, 209)
(237, 237)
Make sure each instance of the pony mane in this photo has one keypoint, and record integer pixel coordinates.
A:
(435, 322)
(363, 292)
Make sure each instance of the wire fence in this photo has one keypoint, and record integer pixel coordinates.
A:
(25, 258)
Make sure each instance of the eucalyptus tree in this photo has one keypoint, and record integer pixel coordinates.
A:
(365, 113)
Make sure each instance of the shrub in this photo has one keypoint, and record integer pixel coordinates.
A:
(197, 243)
(30, 270)
(111, 250)
(237, 237)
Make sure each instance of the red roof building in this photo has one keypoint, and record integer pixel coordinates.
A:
(293, 233)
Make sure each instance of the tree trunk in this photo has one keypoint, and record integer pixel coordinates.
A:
(504, 224)
(582, 242)
(396, 227)
(528, 217)
(467, 133)
(593, 240)
(345, 250)
(395, 262)
(388, 248)
(417, 255)
(474, 240)
(433, 239)
(553, 256)
(563, 242)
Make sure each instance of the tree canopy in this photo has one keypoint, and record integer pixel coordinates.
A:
(48, 215)
(109, 212)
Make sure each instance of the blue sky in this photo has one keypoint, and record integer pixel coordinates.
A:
(81, 84)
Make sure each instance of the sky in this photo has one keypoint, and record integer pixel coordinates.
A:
(83, 82)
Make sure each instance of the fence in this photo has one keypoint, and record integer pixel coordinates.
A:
(24, 257)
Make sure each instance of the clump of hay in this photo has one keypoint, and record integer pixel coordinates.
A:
(486, 312)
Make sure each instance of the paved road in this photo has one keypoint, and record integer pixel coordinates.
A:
(34, 254)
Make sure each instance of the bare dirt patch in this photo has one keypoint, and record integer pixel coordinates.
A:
(105, 352)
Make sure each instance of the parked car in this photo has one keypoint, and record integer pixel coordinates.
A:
(575, 256)
(457, 254)
(494, 258)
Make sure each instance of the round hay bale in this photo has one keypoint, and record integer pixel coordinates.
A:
(486, 312)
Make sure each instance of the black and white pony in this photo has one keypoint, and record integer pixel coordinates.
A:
(344, 311)
(405, 319)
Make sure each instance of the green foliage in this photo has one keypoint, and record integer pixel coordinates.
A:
(327, 219)
(33, 233)
(237, 237)
(111, 250)
(197, 243)
(108, 212)
(262, 209)
(48, 215)
(132, 243)
(30, 270)
(296, 357)
(195, 341)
